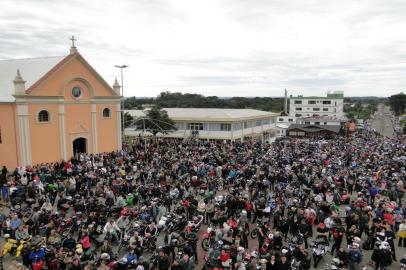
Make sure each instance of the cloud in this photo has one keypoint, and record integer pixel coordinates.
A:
(257, 47)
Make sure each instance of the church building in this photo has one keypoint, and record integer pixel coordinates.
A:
(54, 107)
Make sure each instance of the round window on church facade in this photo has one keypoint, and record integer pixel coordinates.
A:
(76, 92)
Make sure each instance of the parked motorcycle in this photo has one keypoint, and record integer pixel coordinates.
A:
(319, 250)
(208, 237)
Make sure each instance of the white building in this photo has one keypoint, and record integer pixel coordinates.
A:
(331, 105)
(216, 124)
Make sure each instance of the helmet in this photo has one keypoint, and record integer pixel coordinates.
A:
(123, 261)
(105, 256)
(7, 235)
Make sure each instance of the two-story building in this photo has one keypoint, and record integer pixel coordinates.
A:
(216, 124)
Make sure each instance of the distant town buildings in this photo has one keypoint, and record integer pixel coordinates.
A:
(330, 105)
(312, 115)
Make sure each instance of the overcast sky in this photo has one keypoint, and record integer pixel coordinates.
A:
(221, 47)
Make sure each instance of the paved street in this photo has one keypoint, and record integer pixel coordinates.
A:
(382, 122)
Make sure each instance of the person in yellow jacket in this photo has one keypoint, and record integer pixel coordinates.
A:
(402, 234)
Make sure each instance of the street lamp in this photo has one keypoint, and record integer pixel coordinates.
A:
(122, 98)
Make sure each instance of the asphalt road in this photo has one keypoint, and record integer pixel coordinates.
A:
(382, 123)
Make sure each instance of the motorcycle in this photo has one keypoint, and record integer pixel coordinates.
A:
(208, 237)
(319, 250)
(194, 225)
(254, 233)
(10, 246)
(164, 222)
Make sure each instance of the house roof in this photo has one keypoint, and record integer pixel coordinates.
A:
(31, 69)
(323, 118)
(315, 128)
(209, 114)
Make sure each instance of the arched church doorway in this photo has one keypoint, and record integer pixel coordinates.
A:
(80, 145)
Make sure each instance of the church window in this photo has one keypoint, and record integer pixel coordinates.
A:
(43, 116)
(76, 92)
(106, 113)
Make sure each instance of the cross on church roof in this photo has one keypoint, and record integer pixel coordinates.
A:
(73, 48)
(73, 39)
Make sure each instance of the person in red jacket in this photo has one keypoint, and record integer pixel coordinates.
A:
(248, 207)
(388, 216)
(85, 241)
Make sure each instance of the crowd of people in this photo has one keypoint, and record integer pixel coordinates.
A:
(172, 204)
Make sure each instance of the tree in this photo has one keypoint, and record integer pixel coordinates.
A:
(398, 103)
(156, 121)
(128, 120)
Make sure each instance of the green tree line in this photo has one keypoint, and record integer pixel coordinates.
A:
(179, 100)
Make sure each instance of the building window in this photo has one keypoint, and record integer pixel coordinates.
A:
(325, 123)
(325, 109)
(195, 126)
(307, 123)
(316, 109)
(327, 102)
(245, 124)
(280, 119)
(298, 102)
(290, 120)
(317, 123)
(298, 109)
(106, 113)
(43, 116)
(298, 115)
(311, 102)
(225, 127)
(76, 92)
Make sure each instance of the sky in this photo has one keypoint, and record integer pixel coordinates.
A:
(221, 47)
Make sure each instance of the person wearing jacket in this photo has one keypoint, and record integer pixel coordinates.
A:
(21, 233)
(85, 241)
(38, 254)
(112, 228)
(402, 234)
(131, 256)
(355, 256)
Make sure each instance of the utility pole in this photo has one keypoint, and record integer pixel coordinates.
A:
(122, 98)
